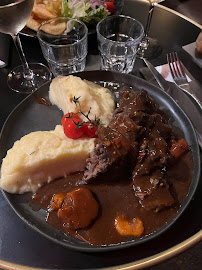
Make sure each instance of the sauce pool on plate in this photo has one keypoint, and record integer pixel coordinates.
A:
(115, 198)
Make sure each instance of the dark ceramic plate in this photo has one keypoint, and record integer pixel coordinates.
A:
(27, 117)
(119, 4)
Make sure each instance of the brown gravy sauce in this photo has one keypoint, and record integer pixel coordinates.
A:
(116, 198)
(42, 100)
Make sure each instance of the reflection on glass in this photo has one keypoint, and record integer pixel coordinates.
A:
(149, 47)
(13, 17)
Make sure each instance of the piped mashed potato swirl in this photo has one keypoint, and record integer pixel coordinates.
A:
(99, 99)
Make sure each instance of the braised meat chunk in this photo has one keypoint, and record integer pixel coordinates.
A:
(114, 144)
(135, 102)
(149, 174)
(153, 191)
(137, 143)
(117, 142)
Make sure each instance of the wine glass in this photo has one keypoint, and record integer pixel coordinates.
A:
(13, 17)
(149, 47)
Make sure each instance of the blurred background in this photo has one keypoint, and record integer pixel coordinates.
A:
(190, 8)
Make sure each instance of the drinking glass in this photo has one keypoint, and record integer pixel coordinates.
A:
(149, 47)
(118, 38)
(63, 42)
(13, 17)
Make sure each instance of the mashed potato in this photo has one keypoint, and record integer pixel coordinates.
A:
(41, 157)
(99, 99)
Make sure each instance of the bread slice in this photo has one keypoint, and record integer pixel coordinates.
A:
(199, 43)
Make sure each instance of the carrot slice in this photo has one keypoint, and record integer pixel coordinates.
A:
(57, 201)
(124, 227)
(178, 148)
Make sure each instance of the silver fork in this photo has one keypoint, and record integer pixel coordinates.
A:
(179, 76)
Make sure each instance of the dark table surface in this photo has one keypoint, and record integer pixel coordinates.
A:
(20, 245)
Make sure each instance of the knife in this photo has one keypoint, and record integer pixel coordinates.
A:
(159, 78)
(181, 98)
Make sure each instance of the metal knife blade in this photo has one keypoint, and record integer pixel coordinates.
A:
(160, 80)
(194, 114)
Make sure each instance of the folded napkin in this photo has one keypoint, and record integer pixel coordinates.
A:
(4, 49)
(164, 70)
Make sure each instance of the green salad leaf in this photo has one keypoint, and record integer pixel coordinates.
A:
(82, 10)
(66, 11)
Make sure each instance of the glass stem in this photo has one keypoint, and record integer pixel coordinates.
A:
(149, 18)
(27, 71)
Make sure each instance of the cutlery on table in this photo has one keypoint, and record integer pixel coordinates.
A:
(181, 98)
(179, 76)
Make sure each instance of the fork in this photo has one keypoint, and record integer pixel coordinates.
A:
(179, 76)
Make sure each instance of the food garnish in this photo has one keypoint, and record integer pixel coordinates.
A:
(71, 126)
(75, 128)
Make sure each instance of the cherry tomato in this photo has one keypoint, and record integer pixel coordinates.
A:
(110, 6)
(69, 126)
(90, 130)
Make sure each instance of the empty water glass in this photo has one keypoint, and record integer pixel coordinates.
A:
(64, 45)
(118, 39)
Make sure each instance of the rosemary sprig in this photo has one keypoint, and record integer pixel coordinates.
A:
(96, 122)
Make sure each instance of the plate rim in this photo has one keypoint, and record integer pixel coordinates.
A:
(142, 240)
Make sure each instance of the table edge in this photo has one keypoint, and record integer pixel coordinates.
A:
(181, 15)
(140, 264)
(176, 13)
